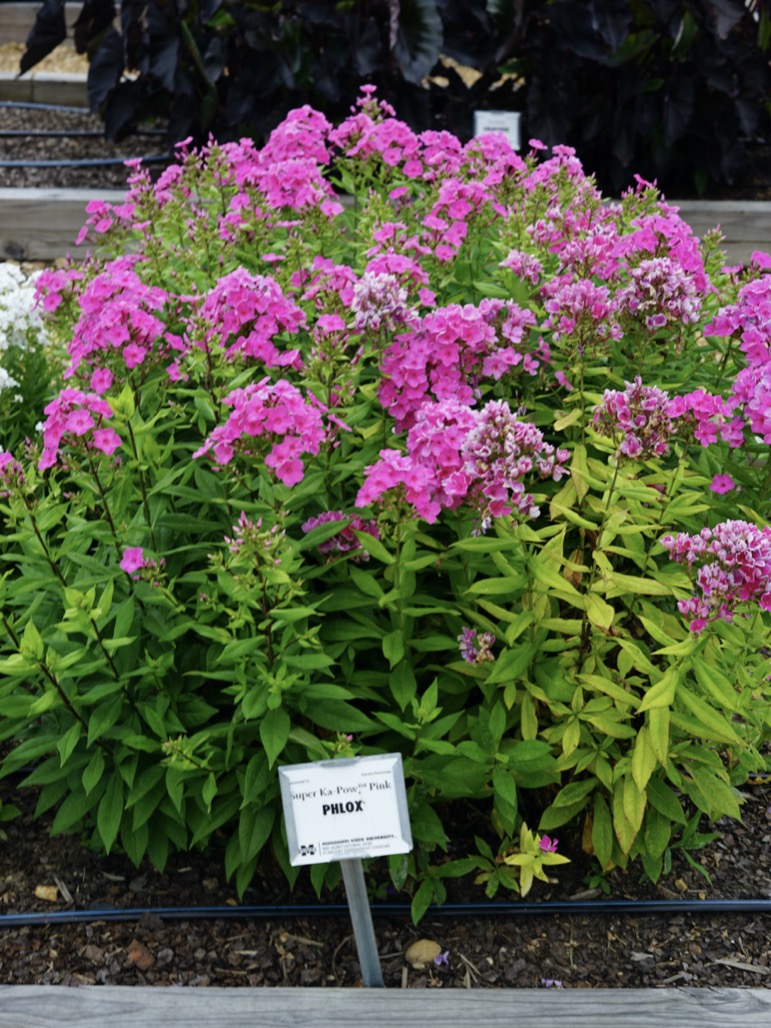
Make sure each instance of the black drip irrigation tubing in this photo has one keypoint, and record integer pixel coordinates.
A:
(68, 133)
(449, 910)
(30, 105)
(86, 162)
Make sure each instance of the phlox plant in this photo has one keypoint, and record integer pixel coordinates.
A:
(370, 441)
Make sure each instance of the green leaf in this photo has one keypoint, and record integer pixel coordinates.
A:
(31, 645)
(375, 548)
(274, 732)
(254, 828)
(717, 725)
(658, 727)
(662, 694)
(69, 741)
(575, 792)
(393, 647)
(422, 900)
(602, 831)
(599, 612)
(643, 759)
(505, 585)
(92, 775)
(110, 811)
(512, 663)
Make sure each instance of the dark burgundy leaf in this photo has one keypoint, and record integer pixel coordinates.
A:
(725, 14)
(49, 30)
(95, 16)
(613, 19)
(105, 69)
(418, 39)
(120, 110)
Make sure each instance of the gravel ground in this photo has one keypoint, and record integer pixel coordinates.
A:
(58, 874)
(30, 147)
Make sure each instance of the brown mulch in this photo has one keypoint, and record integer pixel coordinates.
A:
(38, 873)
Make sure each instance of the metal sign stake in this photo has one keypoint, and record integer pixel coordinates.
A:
(361, 918)
(346, 810)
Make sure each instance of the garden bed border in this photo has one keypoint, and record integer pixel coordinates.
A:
(39, 1006)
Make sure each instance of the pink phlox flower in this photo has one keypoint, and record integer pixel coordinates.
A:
(78, 415)
(11, 474)
(132, 559)
(245, 312)
(379, 299)
(476, 649)
(722, 484)
(578, 310)
(289, 424)
(119, 314)
(660, 291)
(394, 478)
(706, 416)
(732, 562)
(446, 354)
(499, 452)
(638, 417)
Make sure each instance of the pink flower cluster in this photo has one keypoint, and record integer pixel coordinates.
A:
(344, 541)
(661, 291)
(458, 455)
(580, 313)
(708, 417)
(639, 416)
(244, 313)
(119, 316)
(76, 415)
(733, 562)
(138, 565)
(11, 474)
(749, 319)
(278, 413)
(476, 649)
(499, 451)
(450, 351)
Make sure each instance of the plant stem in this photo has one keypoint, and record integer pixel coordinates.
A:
(142, 486)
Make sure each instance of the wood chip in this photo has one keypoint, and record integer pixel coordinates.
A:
(741, 966)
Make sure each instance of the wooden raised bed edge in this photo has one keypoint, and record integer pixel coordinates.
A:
(31, 1006)
(43, 224)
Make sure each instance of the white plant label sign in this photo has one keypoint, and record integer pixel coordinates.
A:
(506, 122)
(345, 809)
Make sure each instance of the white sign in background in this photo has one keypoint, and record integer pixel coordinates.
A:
(506, 122)
(345, 809)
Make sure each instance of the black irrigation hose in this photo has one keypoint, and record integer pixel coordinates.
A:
(26, 105)
(481, 909)
(96, 162)
(68, 133)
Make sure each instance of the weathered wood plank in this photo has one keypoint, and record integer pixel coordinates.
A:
(746, 224)
(43, 224)
(94, 1006)
(16, 20)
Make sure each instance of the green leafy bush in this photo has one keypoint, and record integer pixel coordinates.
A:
(391, 474)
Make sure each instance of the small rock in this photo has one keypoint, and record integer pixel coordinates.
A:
(140, 955)
(421, 953)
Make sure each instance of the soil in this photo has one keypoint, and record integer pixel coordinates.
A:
(40, 873)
